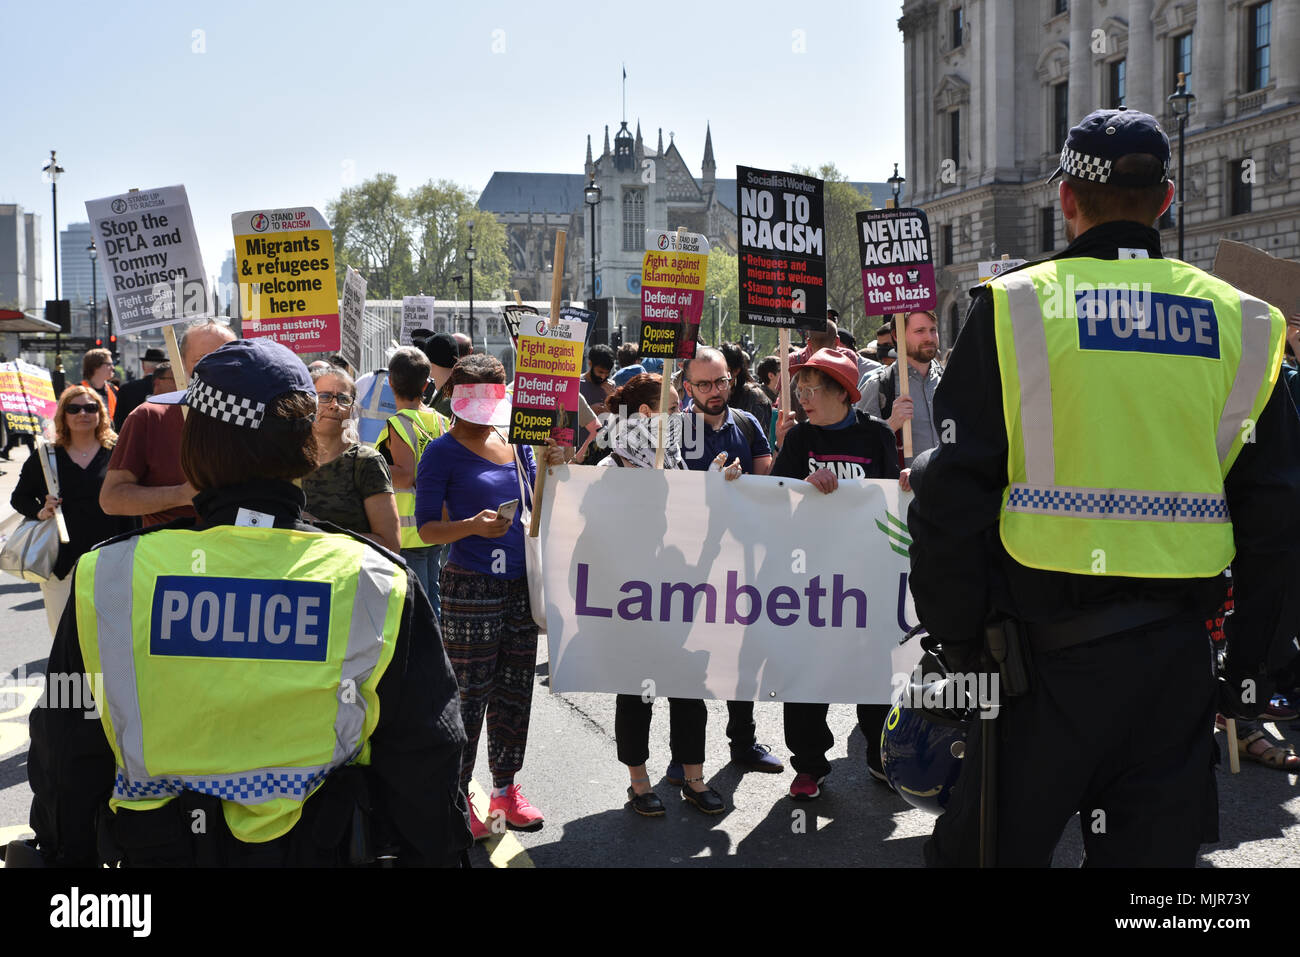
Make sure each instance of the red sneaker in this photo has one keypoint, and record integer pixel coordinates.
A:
(518, 812)
(806, 787)
(477, 829)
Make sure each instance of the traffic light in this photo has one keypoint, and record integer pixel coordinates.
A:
(113, 339)
(98, 343)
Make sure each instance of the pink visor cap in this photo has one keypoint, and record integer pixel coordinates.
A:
(483, 403)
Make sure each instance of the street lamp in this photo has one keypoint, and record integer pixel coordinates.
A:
(717, 320)
(896, 184)
(591, 196)
(94, 292)
(1180, 101)
(470, 256)
(51, 171)
(457, 279)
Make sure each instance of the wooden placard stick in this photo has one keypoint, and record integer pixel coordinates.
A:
(539, 451)
(904, 373)
(783, 347)
(670, 366)
(1234, 757)
(178, 368)
(52, 484)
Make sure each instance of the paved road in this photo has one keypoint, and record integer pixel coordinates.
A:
(574, 778)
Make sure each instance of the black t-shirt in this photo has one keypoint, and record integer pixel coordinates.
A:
(864, 449)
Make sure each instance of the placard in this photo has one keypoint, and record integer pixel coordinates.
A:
(26, 396)
(149, 253)
(351, 311)
(417, 313)
(548, 366)
(284, 261)
(781, 248)
(673, 272)
(897, 265)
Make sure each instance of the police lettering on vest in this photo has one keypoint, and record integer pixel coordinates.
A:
(1139, 320)
(240, 618)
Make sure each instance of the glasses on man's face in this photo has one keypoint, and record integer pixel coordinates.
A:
(75, 408)
(342, 398)
(706, 386)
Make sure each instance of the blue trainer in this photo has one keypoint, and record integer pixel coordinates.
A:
(757, 757)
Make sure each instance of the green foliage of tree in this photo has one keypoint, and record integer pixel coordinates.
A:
(414, 243)
(722, 281)
(843, 269)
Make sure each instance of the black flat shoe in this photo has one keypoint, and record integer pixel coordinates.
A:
(707, 802)
(647, 805)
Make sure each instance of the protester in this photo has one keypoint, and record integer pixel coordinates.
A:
(464, 345)
(487, 621)
(374, 401)
(441, 351)
(350, 486)
(737, 438)
(632, 431)
(84, 440)
(339, 745)
(768, 372)
(402, 443)
(745, 393)
(164, 380)
(96, 371)
(880, 391)
(595, 385)
(136, 391)
(837, 441)
(144, 475)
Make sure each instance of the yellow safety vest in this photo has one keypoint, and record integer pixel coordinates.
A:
(1128, 388)
(417, 428)
(238, 662)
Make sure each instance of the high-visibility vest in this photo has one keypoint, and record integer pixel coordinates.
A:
(239, 662)
(417, 428)
(1128, 389)
(375, 403)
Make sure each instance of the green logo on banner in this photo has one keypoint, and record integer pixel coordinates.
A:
(896, 532)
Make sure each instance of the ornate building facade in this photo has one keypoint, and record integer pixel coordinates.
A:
(993, 86)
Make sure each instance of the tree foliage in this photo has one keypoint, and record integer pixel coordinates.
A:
(843, 270)
(414, 243)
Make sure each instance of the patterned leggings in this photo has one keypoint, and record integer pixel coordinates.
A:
(491, 639)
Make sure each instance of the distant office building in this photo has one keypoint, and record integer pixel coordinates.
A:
(75, 283)
(20, 259)
(227, 290)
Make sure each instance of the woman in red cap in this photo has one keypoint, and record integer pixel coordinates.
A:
(835, 442)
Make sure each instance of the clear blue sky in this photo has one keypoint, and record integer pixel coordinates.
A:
(290, 99)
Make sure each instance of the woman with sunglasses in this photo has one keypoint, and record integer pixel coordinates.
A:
(351, 487)
(84, 440)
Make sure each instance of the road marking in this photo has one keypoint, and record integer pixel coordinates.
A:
(504, 849)
(13, 726)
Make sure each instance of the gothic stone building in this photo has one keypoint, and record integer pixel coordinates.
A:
(639, 189)
(993, 86)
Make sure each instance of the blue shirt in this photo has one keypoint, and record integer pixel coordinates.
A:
(467, 484)
(729, 439)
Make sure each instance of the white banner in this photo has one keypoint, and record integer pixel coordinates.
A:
(682, 584)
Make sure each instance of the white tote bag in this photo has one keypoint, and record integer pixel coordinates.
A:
(532, 546)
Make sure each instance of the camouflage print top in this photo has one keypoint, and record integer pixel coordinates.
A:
(336, 492)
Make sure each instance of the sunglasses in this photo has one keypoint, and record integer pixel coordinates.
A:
(72, 408)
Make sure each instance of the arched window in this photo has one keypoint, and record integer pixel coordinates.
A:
(633, 220)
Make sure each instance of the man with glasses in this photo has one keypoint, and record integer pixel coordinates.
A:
(738, 434)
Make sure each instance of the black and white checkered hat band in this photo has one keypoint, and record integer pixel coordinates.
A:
(1083, 166)
(225, 406)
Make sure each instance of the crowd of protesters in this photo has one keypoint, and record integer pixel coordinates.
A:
(414, 457)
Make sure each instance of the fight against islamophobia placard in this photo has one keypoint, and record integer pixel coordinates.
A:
(673, 272)
(547, 371)
(781, 248)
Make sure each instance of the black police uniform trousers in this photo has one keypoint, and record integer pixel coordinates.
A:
(1120, 730)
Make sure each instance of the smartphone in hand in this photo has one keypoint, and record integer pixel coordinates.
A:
(507, 509)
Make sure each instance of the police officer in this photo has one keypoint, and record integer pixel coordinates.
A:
(269, 693)
(1113, 447)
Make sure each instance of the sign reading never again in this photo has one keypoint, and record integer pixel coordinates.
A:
(781, 248)
(897, 262)
(284, 260)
